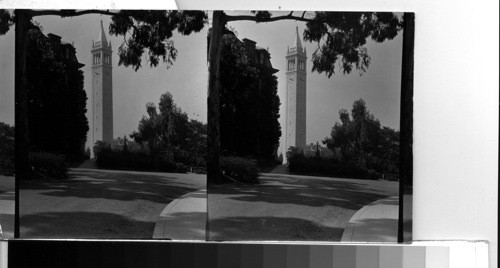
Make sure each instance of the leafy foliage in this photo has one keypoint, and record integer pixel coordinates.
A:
(128, 160)
(150, 31)
(301, 164)
(169, 134)
(361, 147)
(7, 149)
(6, 21)
(341, 37)
(249, 104)
(56, 98)
(362, 141)
(240, 169)
(49, 165)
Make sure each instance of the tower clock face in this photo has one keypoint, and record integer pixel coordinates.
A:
(97, 72)
(106, 72)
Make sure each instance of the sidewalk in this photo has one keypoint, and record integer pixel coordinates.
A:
(184, 218)
(376, 222)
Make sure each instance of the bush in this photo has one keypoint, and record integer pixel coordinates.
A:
(298, 163)
(240, 169)
(199, 170)
(49, 165)
(180, 167)
(390, 177)
(7, 150)
(118, 159)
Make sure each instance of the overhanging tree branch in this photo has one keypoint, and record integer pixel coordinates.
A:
(70, 13)
(256, 19)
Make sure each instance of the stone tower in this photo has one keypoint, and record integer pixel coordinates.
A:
(102, 89)
(295, 95)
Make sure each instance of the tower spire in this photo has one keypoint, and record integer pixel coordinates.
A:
(102, 36)
(297, 44)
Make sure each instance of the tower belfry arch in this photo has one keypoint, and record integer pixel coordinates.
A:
(296, 84)
(102, 89)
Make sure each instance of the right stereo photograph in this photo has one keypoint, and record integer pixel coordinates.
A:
(310, 120)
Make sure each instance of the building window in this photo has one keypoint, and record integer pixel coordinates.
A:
(291, 65)
(107, 59)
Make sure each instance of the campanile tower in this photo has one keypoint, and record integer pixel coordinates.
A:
(102, 89)
(295, 95)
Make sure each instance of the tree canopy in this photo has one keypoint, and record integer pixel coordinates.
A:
(249, 104)
(145, 32)
(56, 97)
(361, 140)
(167, 132)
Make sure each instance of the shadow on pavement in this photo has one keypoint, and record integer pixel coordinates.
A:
(100, 204)
(118, 186)
(270, 228)
(310, 191)
(185, 226)
(290, 207)
(85, 225)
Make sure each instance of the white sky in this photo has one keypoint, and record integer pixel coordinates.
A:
(187, 78)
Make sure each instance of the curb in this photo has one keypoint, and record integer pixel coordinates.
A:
(354, 223)
(161, 228)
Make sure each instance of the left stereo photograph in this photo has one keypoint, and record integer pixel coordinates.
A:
(7, 132)
(112, 117)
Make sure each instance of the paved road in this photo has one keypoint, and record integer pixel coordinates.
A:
(7, 192)
(100, 203)
(290, 207)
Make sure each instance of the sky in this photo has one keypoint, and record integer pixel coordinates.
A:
(187, 78)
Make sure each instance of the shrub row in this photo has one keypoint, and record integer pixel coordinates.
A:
(330, 167)
(240, 169)
(7, 148)
(7, 160)
(49, 165)
(108, 158)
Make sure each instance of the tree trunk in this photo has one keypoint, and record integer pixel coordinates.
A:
(21, 107)
(406, 126)
(213, 140)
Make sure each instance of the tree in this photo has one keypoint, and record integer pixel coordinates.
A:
(362, 141)
(162, 132)
(196, 143)
(170, 134)
(56, 98)
(249, 104)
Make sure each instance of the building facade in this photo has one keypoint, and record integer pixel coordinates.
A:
(296, 84)
(64, 51)
(102, 90)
